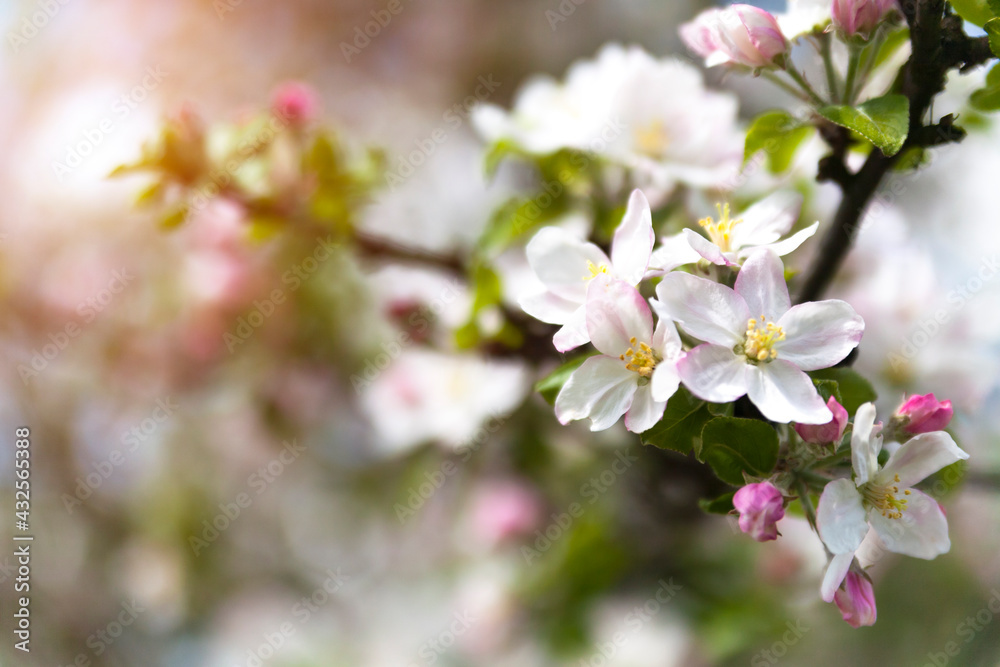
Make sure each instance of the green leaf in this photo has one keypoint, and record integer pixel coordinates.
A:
(854, 389)
(550, 385)
(828, 388)
(777, 133)
(977, 12)
(734, 446)
(992, 29)
(683, 419)
(884, 121)
(496, 154)
(987, 98)
(721, 505)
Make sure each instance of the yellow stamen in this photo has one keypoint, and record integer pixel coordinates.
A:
(595, 270)
(720, 232)
(883, 499)
(642, 362)
(653, 140)
(760, 340)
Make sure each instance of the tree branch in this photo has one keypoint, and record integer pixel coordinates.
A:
(939, 45)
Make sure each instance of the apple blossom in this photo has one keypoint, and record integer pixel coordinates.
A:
(756, 343)
(295, 102)
(636, 372)
(761, 506)
(921, 414)
(856, 600)
(856, 17)
(830, 432)
(731, 240)
(566, 266)
(906, 520)
(654, 116)
(739, 34)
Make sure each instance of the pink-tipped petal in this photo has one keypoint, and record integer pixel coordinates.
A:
(841, 517)
(713, 373)
(785, 394)
(616, 313)
(633, 241)
(819, 334)
(707, 310)
(761, 283)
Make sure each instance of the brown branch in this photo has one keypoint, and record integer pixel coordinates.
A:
(939, 45)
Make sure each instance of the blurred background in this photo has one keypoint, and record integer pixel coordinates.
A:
(273, 452)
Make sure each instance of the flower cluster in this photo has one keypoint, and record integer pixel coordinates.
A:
(737, 334)
(742, 340)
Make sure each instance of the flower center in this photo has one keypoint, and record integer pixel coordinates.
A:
(760, 339)
(642, 361)
(883, 499)
(653, 140)
(720, 232)
(595, 270)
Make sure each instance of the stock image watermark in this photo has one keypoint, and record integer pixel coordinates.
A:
(957, 299)
(77, 152)
(103, 638)
(87, 310)
(591, 491)
(635, 620)
(364, 34)
(293, 278)
(257, 482)
(419, 322)
(417, 496)
(967, 629)
(102, 470)
(432, 649)
(301, 612)
(451, 120)
(779, 649)
(33, 23)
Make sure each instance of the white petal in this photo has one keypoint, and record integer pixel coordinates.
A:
(835, 573)
(919, 457)
(574, 332)
(782, 248)
(713, 373)
(922, 531)
(675, 251)
(548, 307)
(768, 220)
(785, 394)
(665, 380)
(616, 313)
(705, 248)
(601, 388)
(633, 242)
(761, 283)
(819, 334)
(840, 517)
(645, 411)
(707, 310)
(560, 261)
(666, 341)
(864, 447)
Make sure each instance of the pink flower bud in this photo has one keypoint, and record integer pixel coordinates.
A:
(740, 34)
(761, 507)
(856, 600)
(295, 102)
(855, 17)
(921, 414)
(829, 432)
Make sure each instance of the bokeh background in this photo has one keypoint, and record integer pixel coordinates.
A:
(437, 514)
